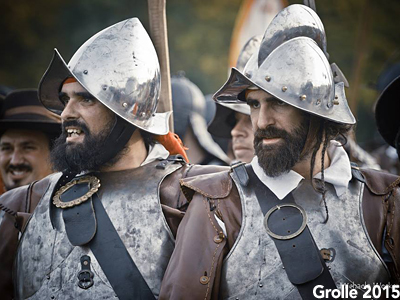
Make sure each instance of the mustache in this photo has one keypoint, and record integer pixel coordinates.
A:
(74, 123)
(19, 167)
(269, 133)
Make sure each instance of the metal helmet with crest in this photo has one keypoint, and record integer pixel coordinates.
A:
(292, 65)
(119, 67)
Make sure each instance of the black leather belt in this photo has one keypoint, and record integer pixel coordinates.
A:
(286, 224)
(88, 224)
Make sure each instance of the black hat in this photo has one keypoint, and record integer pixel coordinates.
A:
(387, 112)
(21, 109)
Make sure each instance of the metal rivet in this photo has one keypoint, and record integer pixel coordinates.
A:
(143, 114)
(104, 88)
(85, 72)
(318, 101)
(260, 285)
(303, 97)
(268, 78)
(218, 239)
(283, 267)
(48, 277)
(336, 97)
(247, 74)
(52, 297)
(85, 263)
(125, 104)
(204, 279)
(153, 115)
(284, 88)
(336, 102)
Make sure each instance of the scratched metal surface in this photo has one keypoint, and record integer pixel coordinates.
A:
(48, 264)
(253, 268)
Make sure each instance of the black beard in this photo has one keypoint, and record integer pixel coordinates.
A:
(82, 157)
(280, 158)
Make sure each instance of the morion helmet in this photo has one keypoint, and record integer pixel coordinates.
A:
(119, 67)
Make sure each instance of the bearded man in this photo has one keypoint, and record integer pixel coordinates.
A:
(298, 217)
(99, 230)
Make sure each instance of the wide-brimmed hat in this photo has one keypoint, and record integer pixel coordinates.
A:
(21, 109)
(387, 112)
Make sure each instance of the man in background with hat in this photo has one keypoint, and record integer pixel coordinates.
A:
(26, 135)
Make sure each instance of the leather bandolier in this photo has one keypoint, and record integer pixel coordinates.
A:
(48, 265)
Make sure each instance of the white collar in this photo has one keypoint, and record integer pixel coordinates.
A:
(282, 185)
(338, 174)
(155, 152)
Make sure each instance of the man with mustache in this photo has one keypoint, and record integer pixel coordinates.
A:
(299, 216)
(27, 133)
(104, 225)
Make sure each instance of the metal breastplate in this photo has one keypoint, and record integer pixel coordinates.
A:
(48, 265)
(253, 268)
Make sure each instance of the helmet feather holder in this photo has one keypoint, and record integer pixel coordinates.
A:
(119, 67)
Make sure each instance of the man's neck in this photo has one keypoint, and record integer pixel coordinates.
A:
(303, 167)
(133, 156)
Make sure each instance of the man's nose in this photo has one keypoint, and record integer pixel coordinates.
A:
(266, 116)
(69, 112)
(17, 157)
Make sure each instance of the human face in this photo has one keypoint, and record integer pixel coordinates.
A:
(24, 157)
(242, 138)
(82, 108)
(280, 132)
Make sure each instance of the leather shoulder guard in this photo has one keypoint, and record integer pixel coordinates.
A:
(214, 186)
(381, 211)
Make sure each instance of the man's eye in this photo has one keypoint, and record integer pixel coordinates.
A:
(64, 100)
(88, 100)
(280, 103)
(253, 104)
(5, 148)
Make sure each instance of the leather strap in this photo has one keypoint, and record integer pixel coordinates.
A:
(88, 223)
(300, 255)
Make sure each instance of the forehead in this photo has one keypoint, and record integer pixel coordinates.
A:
(241, 116)
(23, 136)
(73, 88)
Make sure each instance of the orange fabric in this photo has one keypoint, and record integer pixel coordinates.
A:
(172, 143)
(69, 80)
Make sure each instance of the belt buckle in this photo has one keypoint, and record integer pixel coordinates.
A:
(289, 236)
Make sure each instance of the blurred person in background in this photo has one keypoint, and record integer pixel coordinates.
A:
(387, 116)
(27, 131)
(190, 123)
(232, 121)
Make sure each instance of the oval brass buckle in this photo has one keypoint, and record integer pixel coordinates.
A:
(94, 187)
(289, 236)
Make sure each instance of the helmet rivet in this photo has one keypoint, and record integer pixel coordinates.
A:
(143, 114)
(247, 74)
(104, 87)
(125, 104)
(318, 101)
(336, 102)
(336, 97)
(268, 78)
(284, 88)
(85, 72)
(303, 97)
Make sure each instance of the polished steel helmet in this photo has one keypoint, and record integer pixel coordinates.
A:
(296, 72)
(224, 119)
(118, 66)
(292, 21)
(247, 51)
